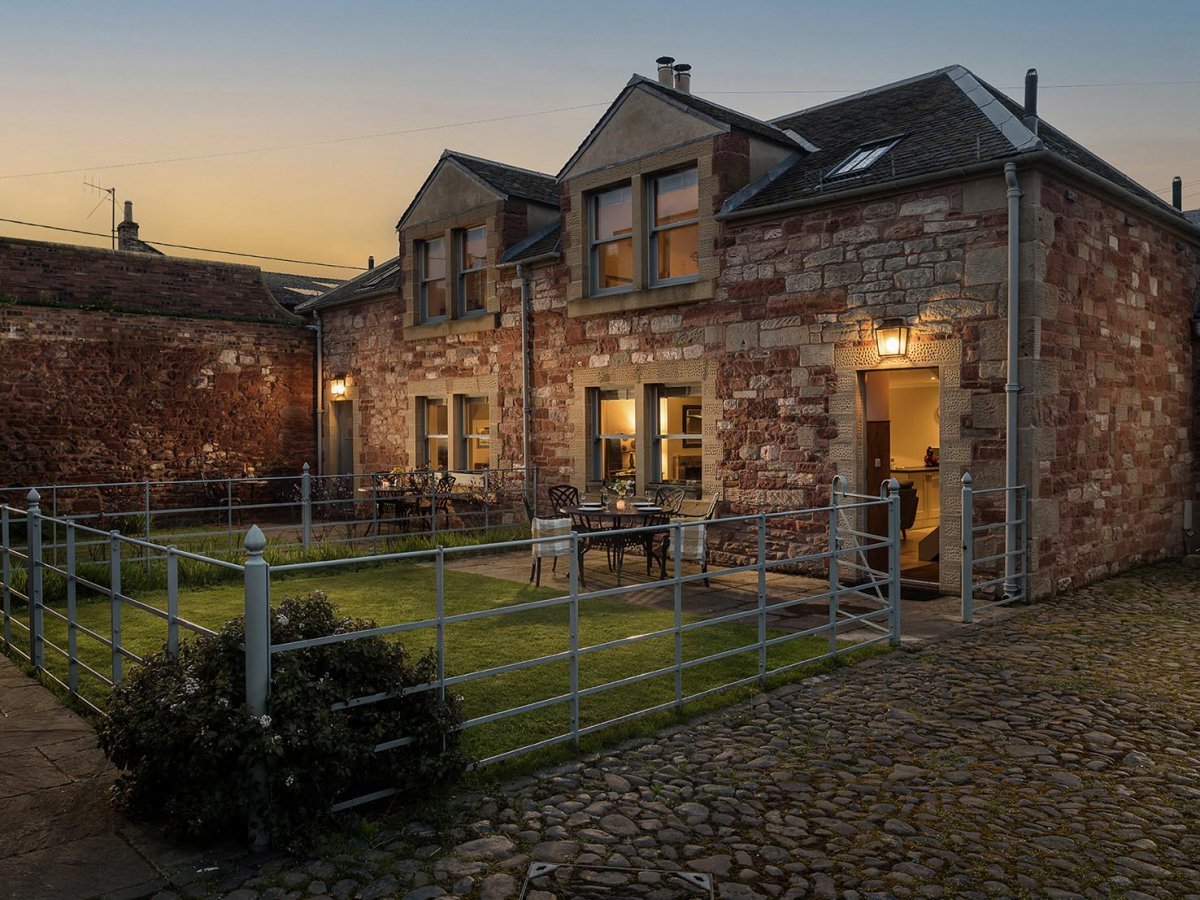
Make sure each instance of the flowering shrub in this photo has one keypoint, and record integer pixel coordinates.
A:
(179, 730)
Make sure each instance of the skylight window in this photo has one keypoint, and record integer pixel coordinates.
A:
(863, 158)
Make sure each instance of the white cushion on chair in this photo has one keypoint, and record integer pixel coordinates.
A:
(691, 540)
(545, 528)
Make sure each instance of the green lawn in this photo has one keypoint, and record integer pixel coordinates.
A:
(396, 594)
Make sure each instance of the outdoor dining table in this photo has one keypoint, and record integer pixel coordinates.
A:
(603, 526)
(405, 502)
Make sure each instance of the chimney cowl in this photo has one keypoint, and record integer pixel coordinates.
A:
(664, 70)
(128, 210)
(683, 77)
(1177, 192)
(1031, 92)
(370, 263)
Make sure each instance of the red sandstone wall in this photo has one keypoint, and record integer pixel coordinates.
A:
(1116, 330)
(67, 275)
(90, 396)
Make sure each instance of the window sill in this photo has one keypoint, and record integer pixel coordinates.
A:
(470, 325)
(644, 298)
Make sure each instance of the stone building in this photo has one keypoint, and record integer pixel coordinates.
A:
(747, 308)
(132, 365)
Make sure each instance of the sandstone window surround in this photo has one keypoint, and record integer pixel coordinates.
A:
(471, 405)
(691, 384)
(452, 276)
(665, 256)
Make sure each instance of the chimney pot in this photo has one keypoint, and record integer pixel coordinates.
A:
(370, 263)
(1177, 193)
(128, 210)
(683, 78)
(1031, 92)
(664, 69)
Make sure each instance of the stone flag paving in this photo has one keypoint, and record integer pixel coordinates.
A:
(59, 835)
(1053, 753)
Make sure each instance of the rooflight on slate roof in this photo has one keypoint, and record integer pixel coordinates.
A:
(862, 158)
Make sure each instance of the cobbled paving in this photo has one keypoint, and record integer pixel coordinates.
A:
(1051, 754)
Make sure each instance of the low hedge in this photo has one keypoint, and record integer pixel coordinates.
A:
(179, 729)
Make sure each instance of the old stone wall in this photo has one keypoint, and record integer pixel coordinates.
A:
(101, 396)
(1117, 443)
(92, 278)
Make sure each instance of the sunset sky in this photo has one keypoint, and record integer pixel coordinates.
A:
(88, 86)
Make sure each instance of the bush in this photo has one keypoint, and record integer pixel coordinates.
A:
(179, 729)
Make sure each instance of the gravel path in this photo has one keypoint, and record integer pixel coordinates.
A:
(1052, 754)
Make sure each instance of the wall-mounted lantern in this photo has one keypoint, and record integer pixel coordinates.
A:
(337, 386)
(891, 338)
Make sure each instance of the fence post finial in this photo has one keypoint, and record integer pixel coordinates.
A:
(33, 497)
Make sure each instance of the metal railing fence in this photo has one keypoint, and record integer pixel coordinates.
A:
(985, 549)
(210, 514)
(851, 603)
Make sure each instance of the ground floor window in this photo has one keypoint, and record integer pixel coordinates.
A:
(677, 434)
(433, 433)
(475, 441)
(613, 417)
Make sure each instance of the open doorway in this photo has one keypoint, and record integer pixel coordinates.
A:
(900, 440)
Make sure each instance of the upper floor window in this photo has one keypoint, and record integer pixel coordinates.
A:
(433, 279)
(674, 227)
(472, 271)
(611, 230)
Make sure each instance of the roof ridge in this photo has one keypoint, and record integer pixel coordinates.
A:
(495, 162)
(684, 95)
(1006, 122)
(867, 93)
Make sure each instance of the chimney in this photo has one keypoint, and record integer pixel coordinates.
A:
(1177, 193)
(1031, 115)
(370, 263)
(683, 78)
(127, 232)
(664, 69)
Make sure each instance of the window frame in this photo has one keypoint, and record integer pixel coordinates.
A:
(423, 280)
(657, 392)
(653, 230)
(863, 158)
(596, 437)
(460, 273)
(463, 401)
(424, 436)
(593, 206)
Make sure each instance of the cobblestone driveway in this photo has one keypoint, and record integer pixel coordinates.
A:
(1052, 754)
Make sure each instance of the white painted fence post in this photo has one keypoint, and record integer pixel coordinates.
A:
(968, 549)
(762, 600)
(5, 574)
(33, 530)
(115, 602)
(835, 578)
(573, 628)
(258, 668)
(306, 507)
(892, 488)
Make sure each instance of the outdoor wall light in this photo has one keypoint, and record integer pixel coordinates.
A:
(337, 387)
(891, 338)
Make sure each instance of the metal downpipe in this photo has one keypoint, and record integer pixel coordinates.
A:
(526, 394)
(319, 399)
(1012, 388)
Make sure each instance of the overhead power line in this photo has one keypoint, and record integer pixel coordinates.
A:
(342, 140)
(302, 262)
(246, 151)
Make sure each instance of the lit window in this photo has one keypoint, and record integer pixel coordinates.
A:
(677, 434)
(476, 432)
(433, 279)
(863, 158)
(472, 271)
(614, 434)
(433, 434)
(675, 228)
(612, 240)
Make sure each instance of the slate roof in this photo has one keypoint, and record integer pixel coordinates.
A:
(290, 291)
(723, 114)
(511, 180)
(382, 279)
(1193, 216)
(945, 119)
(541, 243)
